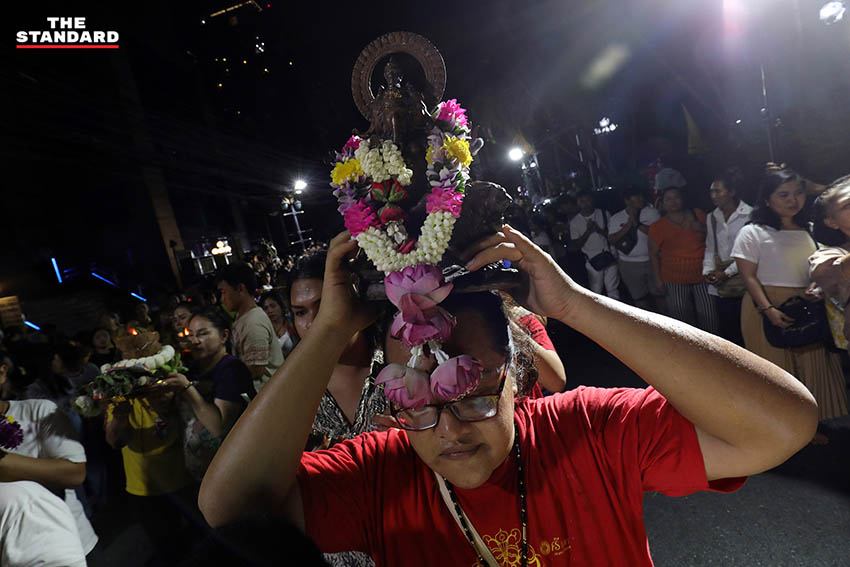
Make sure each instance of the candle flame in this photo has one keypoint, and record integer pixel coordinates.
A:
(134, 332)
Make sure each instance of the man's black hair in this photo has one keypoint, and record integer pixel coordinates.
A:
(235, 274)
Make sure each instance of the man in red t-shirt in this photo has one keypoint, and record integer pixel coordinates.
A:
(482, 479)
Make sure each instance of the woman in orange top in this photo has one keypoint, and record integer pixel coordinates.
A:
(676, 249)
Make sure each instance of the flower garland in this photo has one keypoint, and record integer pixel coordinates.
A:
(369, 183)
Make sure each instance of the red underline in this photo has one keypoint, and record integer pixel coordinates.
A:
(69, 46)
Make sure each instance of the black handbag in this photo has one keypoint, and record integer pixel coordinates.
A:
(604, 259)
(628, 242)
(810, 324)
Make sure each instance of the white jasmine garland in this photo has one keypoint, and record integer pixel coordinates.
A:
(382, 163)
(396, 231)
(429, 249)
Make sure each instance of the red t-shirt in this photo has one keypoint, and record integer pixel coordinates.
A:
(589, 455)
(537, 331)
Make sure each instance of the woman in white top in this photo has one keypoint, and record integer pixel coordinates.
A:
(772, 255)
(724, 223)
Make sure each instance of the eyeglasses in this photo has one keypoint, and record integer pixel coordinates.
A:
(467, 409)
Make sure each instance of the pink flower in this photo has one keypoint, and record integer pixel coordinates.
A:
(353, 143)
(406, 246)
(450, 111)
(422, 279)
(420, 320)
(456, 377)
(389, 213)
(405, 386)
(359, 217)
(416, 291)
(444, 200)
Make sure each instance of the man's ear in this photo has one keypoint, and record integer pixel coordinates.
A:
(4, 373)
(830, 222)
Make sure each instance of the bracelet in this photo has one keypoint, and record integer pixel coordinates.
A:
(763, 309)
(189, 385)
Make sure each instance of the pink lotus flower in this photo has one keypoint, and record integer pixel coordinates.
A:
(405, 386)
(444, 200)
(359, 217)
(420, 320)
(456, 377)
(406, 246)
(416, 291)
(422, 279)
(450, 111)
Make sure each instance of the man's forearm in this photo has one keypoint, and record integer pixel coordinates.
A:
(255, 467)
(550, 369)
(51, 473)
(724, 390)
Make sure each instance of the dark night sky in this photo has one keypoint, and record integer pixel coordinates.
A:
(87, 126)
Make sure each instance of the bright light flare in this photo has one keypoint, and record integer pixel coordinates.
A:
(300, 185)
(832, 12)
(515, 154)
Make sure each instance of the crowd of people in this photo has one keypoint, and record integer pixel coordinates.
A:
(729, 272)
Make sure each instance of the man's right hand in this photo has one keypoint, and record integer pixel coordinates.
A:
(340, 304)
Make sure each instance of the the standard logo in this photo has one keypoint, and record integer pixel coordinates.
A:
(67, 33)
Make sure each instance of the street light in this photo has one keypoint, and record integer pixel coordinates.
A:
(832, 12)
(300, 185)
(515, 154)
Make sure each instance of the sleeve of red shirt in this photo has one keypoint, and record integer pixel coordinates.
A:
(537, 331)
(333, 484)
(640, 427)
(341, 490)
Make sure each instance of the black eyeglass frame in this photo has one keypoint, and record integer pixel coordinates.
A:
(451, 406)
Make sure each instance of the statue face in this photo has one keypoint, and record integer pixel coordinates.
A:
(392, 73)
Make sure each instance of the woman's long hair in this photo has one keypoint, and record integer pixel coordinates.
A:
(774, 178)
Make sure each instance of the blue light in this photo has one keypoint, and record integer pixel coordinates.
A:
(137, 296)
(113, 284)
(32, 325)
(56, 269)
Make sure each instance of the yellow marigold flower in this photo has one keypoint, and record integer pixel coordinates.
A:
(458, 150)
(429, 153)
(346, 171)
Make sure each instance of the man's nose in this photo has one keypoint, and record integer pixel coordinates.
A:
(448, 426)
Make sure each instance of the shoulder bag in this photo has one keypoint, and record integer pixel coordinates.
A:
(604, 259)
(628, 242)
(734, 286)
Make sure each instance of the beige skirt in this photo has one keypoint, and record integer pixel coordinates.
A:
(816, 367)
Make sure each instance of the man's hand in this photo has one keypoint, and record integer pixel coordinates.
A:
(340, 304)
(547, 289)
